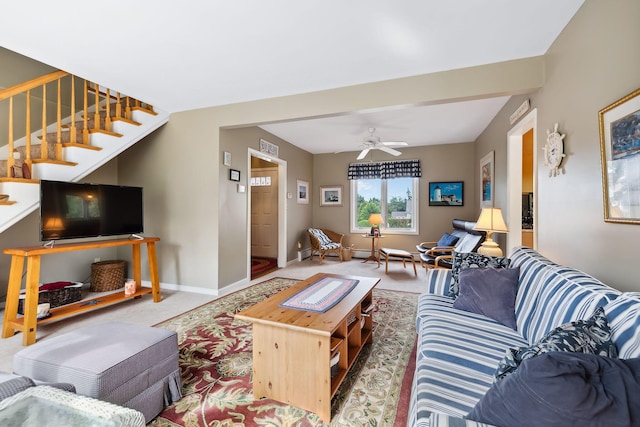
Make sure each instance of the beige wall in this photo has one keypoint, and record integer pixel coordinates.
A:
(453, 162)
(187, 198)
(234, 205)
(70, 266)
(17, 69)
(593, 63)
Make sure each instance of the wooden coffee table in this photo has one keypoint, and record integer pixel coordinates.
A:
(293, 349)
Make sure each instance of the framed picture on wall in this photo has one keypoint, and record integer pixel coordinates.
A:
(620, 155)
(302, 191)
(331, 196)
(446, 193)
(234, 175)
(487, 180)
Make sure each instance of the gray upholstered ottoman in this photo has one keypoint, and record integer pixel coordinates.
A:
(130, 365)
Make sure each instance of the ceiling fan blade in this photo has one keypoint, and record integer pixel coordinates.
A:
(390, 151)
(364, 153)
(394, 143)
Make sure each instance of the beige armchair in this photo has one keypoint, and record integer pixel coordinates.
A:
(325, 241)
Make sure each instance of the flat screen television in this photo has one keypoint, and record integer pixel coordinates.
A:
(70, 210)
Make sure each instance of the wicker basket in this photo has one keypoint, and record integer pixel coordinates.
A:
(57, 297)
(107, 276)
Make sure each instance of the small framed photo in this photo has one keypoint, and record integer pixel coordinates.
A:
(226, 158)
(331, 196)
(234, 175)
(302, 191)
(486, 180)
(446, 193)
(620, 156)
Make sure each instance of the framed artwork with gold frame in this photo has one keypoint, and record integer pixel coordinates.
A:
(620, 157)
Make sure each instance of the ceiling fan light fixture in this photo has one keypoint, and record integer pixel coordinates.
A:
(373, 142)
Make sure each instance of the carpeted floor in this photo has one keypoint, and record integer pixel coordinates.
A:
(261, 266)
(215, 364)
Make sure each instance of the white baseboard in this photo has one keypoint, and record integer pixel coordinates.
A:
(182, 288)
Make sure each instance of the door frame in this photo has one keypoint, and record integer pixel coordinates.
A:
(514, 180)
(282, 207)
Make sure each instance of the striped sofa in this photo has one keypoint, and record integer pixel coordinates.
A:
(458, 351)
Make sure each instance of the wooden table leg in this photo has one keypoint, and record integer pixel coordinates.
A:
(31, 300)
(153, 272)
(13, 294)
(137, 269)
(373, 256)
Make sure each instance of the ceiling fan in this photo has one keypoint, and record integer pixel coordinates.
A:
(372, 142)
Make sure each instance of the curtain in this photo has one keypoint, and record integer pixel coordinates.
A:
(385, 170)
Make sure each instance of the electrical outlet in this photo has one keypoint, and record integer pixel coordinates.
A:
(96, 260)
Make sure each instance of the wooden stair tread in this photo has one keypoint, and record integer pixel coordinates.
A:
(54, 162)
(125, 120)
(106, 132)
(86, 146)
(23, 180)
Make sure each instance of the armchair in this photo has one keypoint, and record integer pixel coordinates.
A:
(324, 241)
(440, 255)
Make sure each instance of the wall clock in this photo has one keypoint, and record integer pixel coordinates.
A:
(554, 151)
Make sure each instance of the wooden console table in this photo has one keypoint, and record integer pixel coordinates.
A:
(28, 323)
(292, 349)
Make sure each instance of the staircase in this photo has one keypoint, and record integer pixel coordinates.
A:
(105, 126)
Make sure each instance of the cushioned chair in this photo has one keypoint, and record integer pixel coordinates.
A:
(449, 239)
(441, 256)
(325, 241)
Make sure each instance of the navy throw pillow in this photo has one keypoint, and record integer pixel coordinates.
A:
(464, 260)
(447, 240)
(490, 292)
(560, 389)
(591, 335)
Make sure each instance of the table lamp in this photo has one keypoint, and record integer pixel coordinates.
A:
(375, 219)
(54, 224)
(491, 221)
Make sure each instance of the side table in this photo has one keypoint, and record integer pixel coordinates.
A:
(373, 256)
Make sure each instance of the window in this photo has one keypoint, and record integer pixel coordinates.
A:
(395, 198)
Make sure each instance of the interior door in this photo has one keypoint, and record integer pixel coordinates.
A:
(264, 212)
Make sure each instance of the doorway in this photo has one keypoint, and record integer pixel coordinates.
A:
(266, 221)
(522, 183)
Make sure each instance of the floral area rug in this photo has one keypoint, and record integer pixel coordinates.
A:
(215, 364)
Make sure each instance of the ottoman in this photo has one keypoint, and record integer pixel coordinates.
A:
(129, 365)
(397, 253)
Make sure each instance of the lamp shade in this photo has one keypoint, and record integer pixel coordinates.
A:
(54, 224)
(491, 220)
(375, 219)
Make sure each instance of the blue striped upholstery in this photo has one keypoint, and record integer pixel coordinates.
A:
(623, 315)
(438, 281)
(455, 366)
(442, 420)
(550, 295)
(458, 351)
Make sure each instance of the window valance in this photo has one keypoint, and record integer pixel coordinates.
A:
(385, 170)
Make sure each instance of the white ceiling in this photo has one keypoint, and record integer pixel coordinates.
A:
(427, 125)
(187, 55)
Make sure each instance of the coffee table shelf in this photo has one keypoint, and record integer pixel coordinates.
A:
(292, 349)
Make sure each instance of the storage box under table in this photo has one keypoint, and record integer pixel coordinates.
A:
(57, 297)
